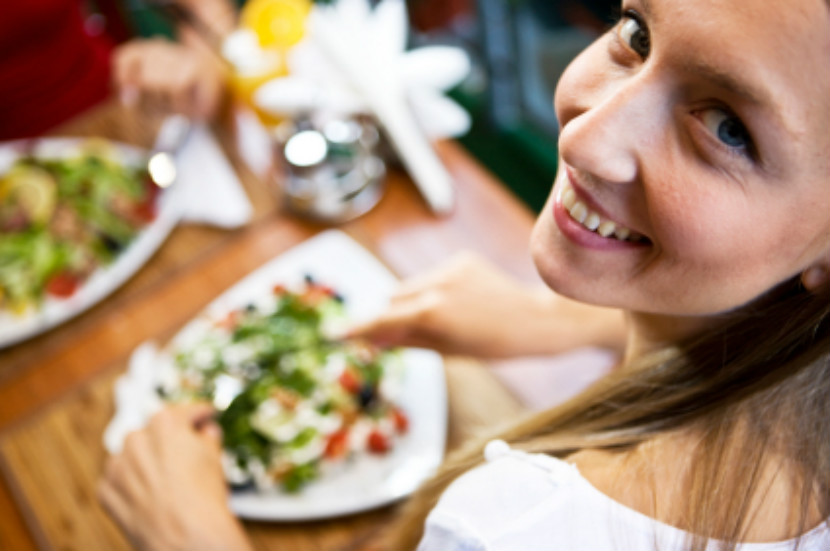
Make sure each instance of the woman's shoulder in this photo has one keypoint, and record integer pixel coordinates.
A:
(478, 506)
(520, 500)
(518, 480)
(526, 500)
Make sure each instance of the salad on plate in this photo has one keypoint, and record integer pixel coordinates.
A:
(293, 404)
(62, 218)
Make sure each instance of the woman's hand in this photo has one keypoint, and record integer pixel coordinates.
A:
(470, 307)
(171, 76)
(166, 489)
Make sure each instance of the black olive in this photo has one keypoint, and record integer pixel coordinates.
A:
(367, 396)
(309, 279)
(247, 486)
(112, 244)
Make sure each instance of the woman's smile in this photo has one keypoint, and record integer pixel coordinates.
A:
(586, 223)
(681, 193)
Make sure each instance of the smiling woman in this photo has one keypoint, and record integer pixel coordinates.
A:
(693, 194)
(699, 145)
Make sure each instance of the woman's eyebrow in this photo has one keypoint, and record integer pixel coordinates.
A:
(757, 96)
(726, 80)
(716, 75)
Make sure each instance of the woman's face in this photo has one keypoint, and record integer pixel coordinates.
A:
(695, 157)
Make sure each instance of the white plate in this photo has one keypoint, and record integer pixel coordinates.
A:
(367, 482)
(105, 280)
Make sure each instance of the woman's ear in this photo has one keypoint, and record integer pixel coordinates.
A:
(817, 275)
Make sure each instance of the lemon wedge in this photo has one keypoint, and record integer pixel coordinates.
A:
(33, 188)
(277, 23)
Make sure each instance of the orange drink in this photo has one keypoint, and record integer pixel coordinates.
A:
(258, 50)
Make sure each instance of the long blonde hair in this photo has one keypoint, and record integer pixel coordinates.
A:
(766, 364)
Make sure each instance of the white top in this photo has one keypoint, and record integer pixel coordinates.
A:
(522, 501)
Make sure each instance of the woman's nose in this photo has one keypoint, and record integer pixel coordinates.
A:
(610, 130)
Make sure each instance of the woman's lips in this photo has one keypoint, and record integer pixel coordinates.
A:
(587, 225)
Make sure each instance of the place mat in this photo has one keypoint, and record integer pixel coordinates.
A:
(52, 462)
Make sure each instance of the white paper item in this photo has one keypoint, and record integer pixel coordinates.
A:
(212, 193)
(253, 142)
(135, 397)
(372, 41)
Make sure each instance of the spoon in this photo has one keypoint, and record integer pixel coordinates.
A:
(173, 134)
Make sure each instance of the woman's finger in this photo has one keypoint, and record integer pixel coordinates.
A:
(115, 505)
(127, 75)
(398, 324)
(195, 412)
(211, 432)
(181, 86)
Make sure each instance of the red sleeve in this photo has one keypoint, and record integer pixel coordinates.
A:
(52, 66)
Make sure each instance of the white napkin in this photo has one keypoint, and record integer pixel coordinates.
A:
(211, 192)
(253, 142)
(375, 41)
(135, 397)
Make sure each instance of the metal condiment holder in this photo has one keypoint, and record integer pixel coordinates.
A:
(329, 171)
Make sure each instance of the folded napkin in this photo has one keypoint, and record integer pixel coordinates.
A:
(253, 142)
(135, 397)
(211, 192)
(373, 37)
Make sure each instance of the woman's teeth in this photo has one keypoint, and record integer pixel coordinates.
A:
(592, 221)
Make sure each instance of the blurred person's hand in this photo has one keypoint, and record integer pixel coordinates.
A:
(468, 306)
(170, 76)
(166, 489)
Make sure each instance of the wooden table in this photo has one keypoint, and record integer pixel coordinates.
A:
(55, 389)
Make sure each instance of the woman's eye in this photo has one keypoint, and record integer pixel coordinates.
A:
(634, 34)
(726, 127)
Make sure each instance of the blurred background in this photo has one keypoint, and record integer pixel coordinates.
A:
(519, 48)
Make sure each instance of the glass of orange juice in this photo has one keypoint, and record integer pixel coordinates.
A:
(252, 66)
(258, 50)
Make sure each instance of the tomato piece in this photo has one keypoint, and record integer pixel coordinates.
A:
(151, 189)
(145, 211)
(337, 445)
(279, 289)
(314, 296)
(230, 321)
(378, 442)
(62, 285)
(350, 381)
(401, 420)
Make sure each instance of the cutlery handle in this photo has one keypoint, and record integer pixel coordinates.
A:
(171, 137)
(173, 133)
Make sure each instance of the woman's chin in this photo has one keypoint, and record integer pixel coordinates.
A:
(554, 271)
(562, 273)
